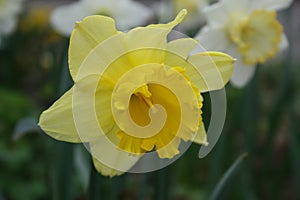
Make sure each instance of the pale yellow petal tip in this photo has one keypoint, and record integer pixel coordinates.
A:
(93, 19)
(178, 19)
(180, 16)
(105, 170)
(111, 174)
(202, 141)
(42, 123)
(221, 54)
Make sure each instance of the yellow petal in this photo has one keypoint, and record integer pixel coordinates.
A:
(143, 44)
(58, 122)
(210, 70)
(90, 110)
(200, 136)
(180, 16)
(105, 170)
(150, 38)
(108, 59)
(170, 150)
(86, 35)
(108, 159)
(74, 118)
(103, 104)
(178, 50)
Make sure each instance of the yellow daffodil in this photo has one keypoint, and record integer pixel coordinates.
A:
(135, 93)
(246, 29)
(128, 13)
(9, 11)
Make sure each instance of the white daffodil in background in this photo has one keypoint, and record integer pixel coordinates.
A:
(9, 10)
(245, 29)
(166, 10)
(127, 13)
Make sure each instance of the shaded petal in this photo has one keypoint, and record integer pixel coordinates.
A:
(270, 4)
(242, 73)
(284, 44)
(108, 159)
(213, 39)
(85, 37)
(216, 15)
(236, 5)
(210, 70)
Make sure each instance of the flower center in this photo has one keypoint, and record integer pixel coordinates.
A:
(139, 105)
(155, 106)
(257, 36)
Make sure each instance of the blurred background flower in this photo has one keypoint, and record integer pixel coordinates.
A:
(9, 11)
(248, 30)
(127, 13)
(166, 10)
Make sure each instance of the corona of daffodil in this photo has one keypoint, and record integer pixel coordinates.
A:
(128, 13)
(246, 29)
(134, 93)
(9, 10)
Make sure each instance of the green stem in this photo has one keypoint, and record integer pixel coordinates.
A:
(142, 192)
(161, 187)
(251, 111)
(225, 180)
(95, 184)
(63, 158)
(61, 171)
(294, 146)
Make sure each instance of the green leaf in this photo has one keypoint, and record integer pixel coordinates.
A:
(227, 177)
